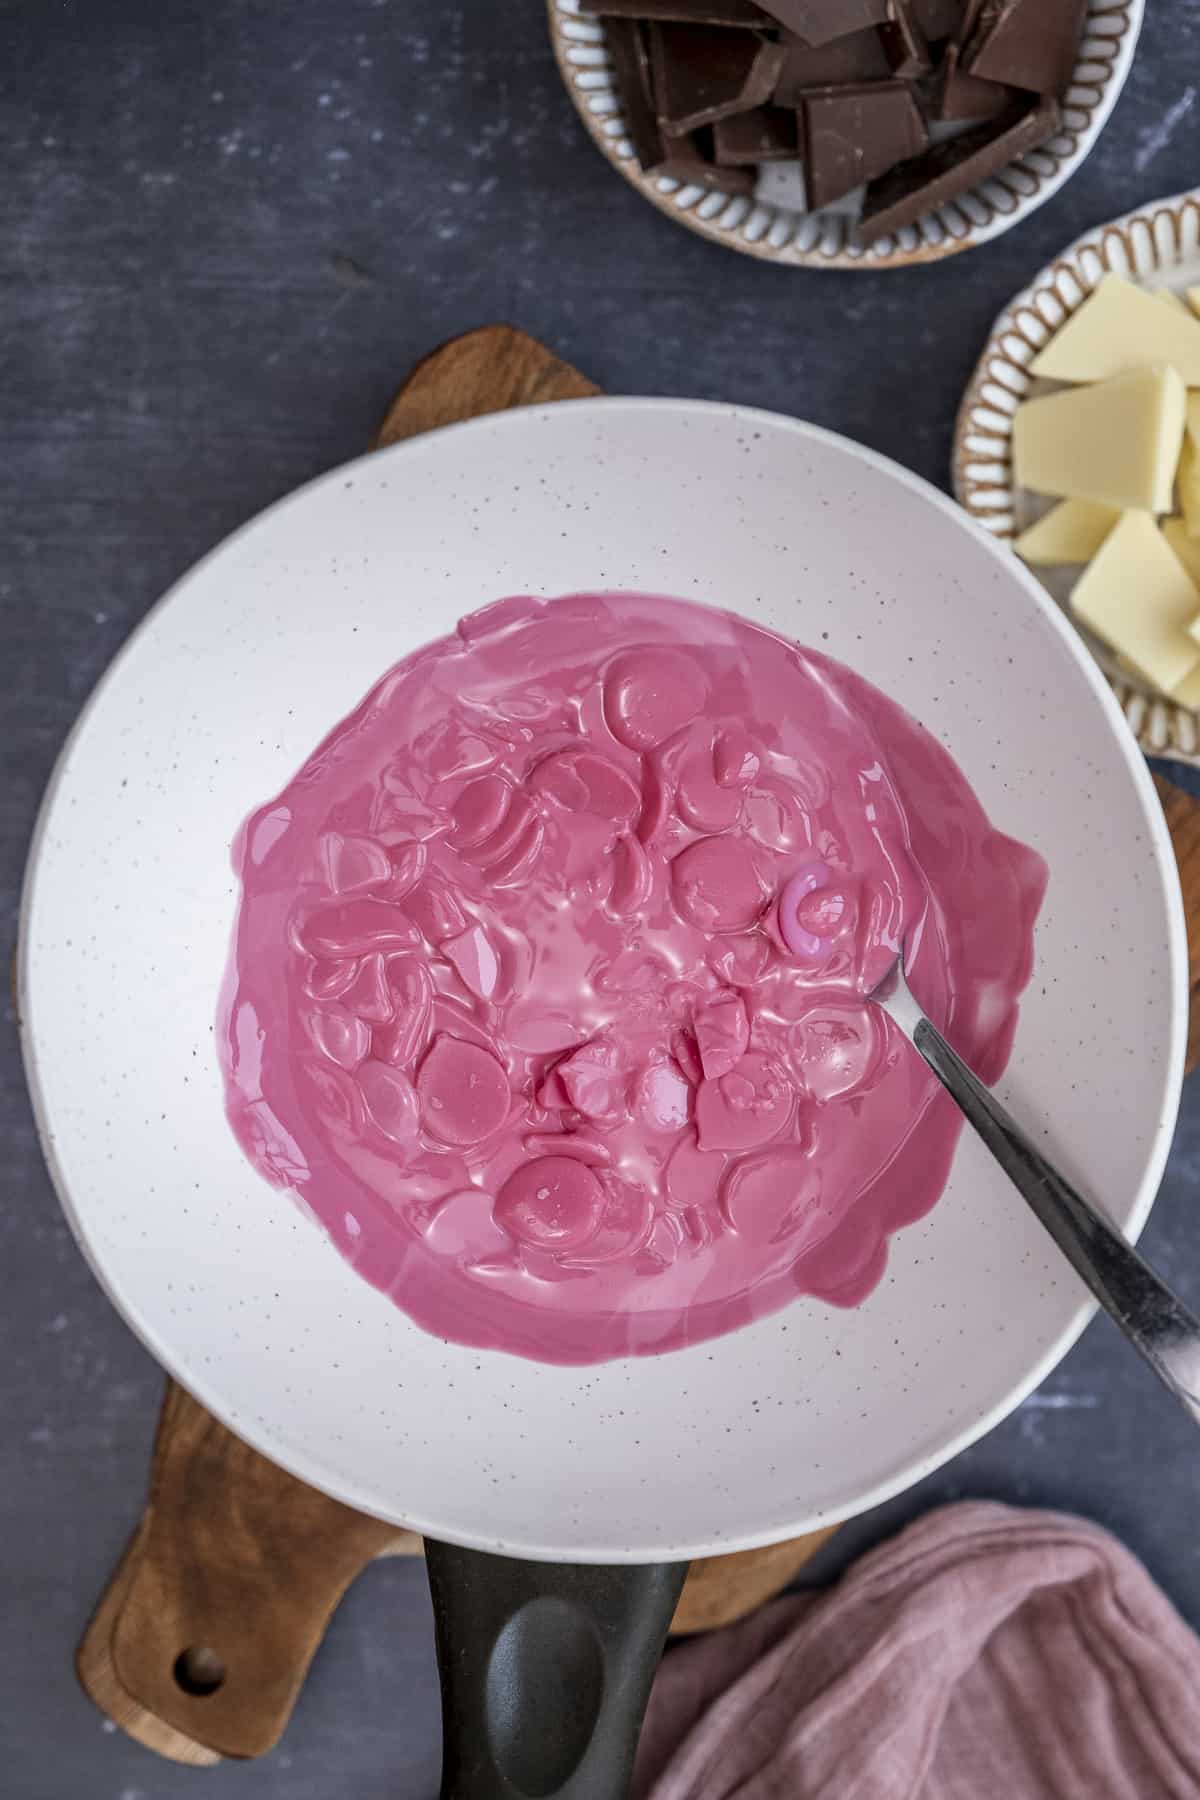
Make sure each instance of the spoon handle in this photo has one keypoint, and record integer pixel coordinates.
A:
(1154, 1319)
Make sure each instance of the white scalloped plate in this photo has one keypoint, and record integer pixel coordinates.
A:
(1159, 245)
(823, 240)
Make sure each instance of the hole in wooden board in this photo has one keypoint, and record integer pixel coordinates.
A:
(199, 1671)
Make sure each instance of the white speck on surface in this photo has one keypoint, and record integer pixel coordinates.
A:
(1060, 1402)
(1157, 137)
(1031, 1415)
(60, 1321)
(338, 155)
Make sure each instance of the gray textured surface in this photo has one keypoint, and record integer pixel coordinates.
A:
(227, 227)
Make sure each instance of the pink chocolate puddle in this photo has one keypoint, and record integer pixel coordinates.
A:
(546, 988)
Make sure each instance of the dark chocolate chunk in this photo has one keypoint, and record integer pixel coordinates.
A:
(629, 57)
(1032, 44)
(680, 12)
(947, 170)
(688, 158)
(702, 73)
(847, 61)
(905, 44)
(766, 134)
(958, 96)
(709, 94)
(850, 135)
(818, 21)
(938, 19)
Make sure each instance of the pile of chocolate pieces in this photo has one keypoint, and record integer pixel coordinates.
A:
(904, 103)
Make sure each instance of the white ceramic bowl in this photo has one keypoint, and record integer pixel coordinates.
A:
(802, 1417)
(1158, 246)
(824, 240)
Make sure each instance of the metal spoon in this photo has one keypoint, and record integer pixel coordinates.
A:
(1155, 1320)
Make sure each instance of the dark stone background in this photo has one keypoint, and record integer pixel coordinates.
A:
(227, 228)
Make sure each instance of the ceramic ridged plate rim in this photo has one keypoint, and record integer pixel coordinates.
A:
(1157, 239)
(823, 240)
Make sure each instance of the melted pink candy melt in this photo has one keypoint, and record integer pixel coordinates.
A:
(546, 992)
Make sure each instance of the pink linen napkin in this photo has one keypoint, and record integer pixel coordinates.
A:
(986, 1653)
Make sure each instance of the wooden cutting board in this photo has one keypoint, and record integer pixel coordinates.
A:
(201, 1641)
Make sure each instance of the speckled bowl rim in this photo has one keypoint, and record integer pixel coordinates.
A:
(788, 239)
(1155, 238)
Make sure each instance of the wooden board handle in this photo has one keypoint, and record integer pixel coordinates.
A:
(230, 1583)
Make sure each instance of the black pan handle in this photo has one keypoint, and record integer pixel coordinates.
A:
(546, 1670)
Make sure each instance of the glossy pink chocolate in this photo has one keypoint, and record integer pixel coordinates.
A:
(546, 987)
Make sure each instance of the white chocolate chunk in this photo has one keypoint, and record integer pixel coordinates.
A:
(1070, 532)
(1116, 442)
(1193, 416)
(1137, 596)
(1121, 327)
(1186, 548)
(1187, 482)
(1188, 692)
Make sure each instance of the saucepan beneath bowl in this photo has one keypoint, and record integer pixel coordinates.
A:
(779, 1427)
